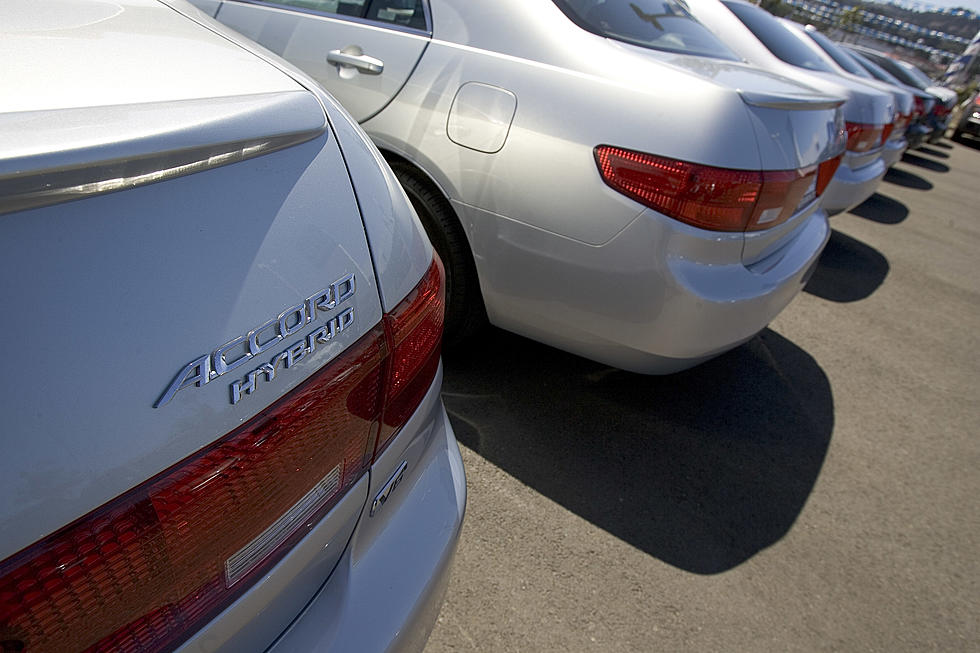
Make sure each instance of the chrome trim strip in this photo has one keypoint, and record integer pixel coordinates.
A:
(38, 188)
(272, 4)
(385, 492)
(242, 562)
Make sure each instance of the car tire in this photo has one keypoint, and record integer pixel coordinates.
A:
(465, 311)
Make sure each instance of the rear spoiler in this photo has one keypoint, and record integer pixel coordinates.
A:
(57, 156)
(790, 102)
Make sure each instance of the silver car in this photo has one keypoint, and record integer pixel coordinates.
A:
(770, 43)
(895, 142)
(923, 102)
(946, 98)
(604, 177)
(225, 431)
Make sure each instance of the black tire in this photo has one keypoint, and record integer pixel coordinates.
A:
(465, 312)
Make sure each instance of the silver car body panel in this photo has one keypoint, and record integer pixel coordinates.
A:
(85, 69)
(646, 287)
(526, 188)
(155, 275)
(297, 37)
(400, 248)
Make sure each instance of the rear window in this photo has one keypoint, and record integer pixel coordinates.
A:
(842, 58)
(656, 24)
(779, 39)
(406, 13)
(877, 71)
(920, 76)
(897, 71)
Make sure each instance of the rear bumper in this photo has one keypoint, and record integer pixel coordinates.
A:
(939, 129)
(970, 125)
(893, 150)
(383, 590)
(917, 135)
(658, 298)
(851, 186)
(387, 589)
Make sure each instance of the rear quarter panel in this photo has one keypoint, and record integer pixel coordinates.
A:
(545, 174)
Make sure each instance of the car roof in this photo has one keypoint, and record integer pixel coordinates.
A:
(87, 53)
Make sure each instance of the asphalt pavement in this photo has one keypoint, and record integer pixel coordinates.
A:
(817, 489)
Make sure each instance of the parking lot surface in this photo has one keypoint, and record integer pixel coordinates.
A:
(813, 490)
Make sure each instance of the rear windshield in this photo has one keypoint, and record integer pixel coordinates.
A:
(917, 74)
(877, 71)
(842, 58)
(780, 39)
(897, 71)
(656, 24)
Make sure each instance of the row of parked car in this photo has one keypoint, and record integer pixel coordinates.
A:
(232, 438)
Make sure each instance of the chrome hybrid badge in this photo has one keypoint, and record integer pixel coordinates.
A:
(244, 348)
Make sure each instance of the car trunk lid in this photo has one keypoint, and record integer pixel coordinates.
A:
(793, 134)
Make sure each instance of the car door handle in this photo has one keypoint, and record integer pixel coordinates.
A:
(353, 57)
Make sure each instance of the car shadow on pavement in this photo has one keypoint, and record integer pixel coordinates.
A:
(907, 179)
(702, 469)
(922, 162)
(932, 152)
(881, 208)
(970, 142)
(848, 271)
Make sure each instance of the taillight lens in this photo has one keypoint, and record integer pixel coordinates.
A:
(862, 137)
(920, 107)
(414, 336)
(941, 110)
(148, 569)
(826, 172)
(927, 105)
(718, 199)
(886, 132)
(902, 120)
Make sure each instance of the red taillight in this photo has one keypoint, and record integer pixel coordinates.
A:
(902, 120)
(862, 137)
(712, 198)
(941, 110)
(826, 172)
(920, 107)
(148, 569)
(886, 132)
(414, 335)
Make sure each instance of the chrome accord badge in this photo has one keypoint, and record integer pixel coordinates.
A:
(244, 348)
